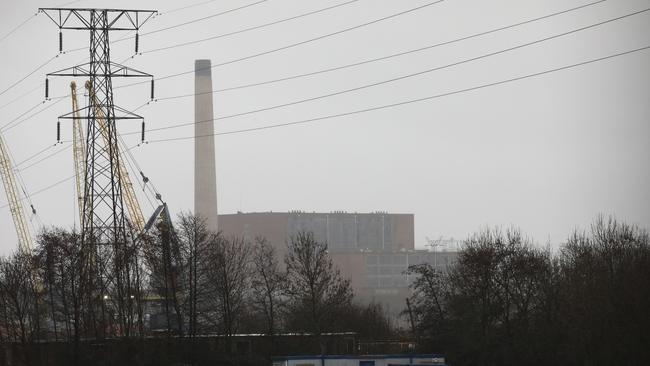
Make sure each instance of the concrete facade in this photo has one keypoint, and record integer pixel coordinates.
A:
(372, 250)
(342, 231)
(205, 176)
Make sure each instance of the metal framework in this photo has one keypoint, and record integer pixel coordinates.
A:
(78, 150)
(114, 19)
(133, 205)
(25, 243)
(130, 199)
(109, 264)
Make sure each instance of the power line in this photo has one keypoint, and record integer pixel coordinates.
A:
(129, 165)
(382, 107)
(187, 7)
(45, 158)
(146, 184)
(29, 74)
(42, 190)
(18, 27)
(205, 17)
(411, 101)
(22, 95)
(48, 147)
(19, 116)
(294, 44)
(411, 75)
(399, 78)
(6, 127)
(336, 68)
(126, 37)
(251, 28)
(34, 89)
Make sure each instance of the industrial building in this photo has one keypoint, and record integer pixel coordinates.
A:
(340, 230)
(373, 250)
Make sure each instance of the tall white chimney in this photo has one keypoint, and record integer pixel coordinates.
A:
(205, 176)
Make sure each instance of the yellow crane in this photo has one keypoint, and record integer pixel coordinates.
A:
(78, 150)
(25, 241)
(130, 199)
(128, 193)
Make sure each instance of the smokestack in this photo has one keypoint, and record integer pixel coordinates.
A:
(205, 176)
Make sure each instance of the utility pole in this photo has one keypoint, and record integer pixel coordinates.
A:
(107, 267)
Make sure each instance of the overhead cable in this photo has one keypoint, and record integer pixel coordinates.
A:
(42, 190)
(9, 126)
(381, 107)
(410, 101)
(419, 73)
(359, 63)
(22, 95)
(29, 74)
(187, 7)
(3, 127)
(204, 18)
(13, 30)
(251, 28)
(292, 45)
(223, 12)
(46, 157)
(48, 147)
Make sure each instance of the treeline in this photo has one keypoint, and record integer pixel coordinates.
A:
(183, 283)
(507, 302)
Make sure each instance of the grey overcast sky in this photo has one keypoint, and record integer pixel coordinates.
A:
(546, 154)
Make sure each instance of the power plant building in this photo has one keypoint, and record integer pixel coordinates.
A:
(373, 250)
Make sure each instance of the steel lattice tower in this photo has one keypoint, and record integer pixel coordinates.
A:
(105, 232)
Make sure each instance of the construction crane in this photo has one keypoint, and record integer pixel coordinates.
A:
(25, 241)
(130, 199)
(78, 150)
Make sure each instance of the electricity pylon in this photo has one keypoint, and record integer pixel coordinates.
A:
(107, 268)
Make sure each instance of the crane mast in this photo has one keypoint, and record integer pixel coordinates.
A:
(78, 150)
(25, 243)
(130, 199)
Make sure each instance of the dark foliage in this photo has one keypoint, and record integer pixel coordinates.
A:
(508, 303)
(185, 284)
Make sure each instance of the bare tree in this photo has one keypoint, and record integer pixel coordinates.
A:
(59, 255)
(165, 263)
(427, 307)
(54, 259)
(20, 297)
(267, 284)
(605, 292)
(229, 280)
(195, 242)
(317, 292)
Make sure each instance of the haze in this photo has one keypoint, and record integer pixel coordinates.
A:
(546, 154)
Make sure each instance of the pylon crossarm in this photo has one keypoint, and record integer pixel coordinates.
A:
(79, 18)
(116, 70)
(124, 114)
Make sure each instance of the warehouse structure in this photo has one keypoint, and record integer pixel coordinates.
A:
(373, 250)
